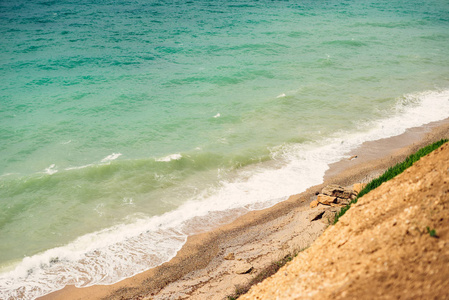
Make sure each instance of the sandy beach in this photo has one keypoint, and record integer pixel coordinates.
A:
(210, 265)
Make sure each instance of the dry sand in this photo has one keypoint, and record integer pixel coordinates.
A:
(200, 270)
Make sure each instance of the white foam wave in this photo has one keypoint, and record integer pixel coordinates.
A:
(101, 257)
(170, 157)
(8, 174)
(78, 168)
(217, 115)
(281, 95)
(112, 254)
(111, 157)
(412, 110)
(51, 170)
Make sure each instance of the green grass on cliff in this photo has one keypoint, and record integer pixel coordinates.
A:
(393, 172)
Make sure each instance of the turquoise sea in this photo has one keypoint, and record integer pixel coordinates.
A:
(126, 126)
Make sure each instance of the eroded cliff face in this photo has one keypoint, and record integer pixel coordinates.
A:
(394, 243)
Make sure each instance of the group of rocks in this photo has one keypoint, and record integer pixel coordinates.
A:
(331, 199)
(336, 195)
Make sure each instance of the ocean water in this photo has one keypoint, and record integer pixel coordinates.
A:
(126, 126)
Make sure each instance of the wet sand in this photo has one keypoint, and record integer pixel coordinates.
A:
(207, 266)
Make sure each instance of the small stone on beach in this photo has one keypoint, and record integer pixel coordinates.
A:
(326, 200)
(230, 256)
(314, 203)
(243, 267)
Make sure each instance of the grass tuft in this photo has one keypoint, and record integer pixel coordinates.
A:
(392, 172)
(432, 232)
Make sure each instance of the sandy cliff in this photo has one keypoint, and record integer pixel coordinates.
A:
(394, 243)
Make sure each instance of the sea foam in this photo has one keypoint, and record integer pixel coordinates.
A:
(51, 170)
(170, 157)
(111, 157)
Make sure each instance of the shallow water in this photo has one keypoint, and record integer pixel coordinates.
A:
(125, 127)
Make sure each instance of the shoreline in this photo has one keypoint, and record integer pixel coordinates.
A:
(200, 269)
(391, 244)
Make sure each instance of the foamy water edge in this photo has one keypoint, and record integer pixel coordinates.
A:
(110, 255)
